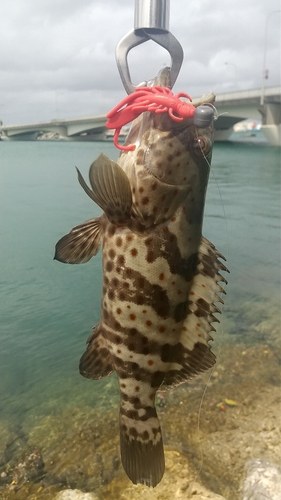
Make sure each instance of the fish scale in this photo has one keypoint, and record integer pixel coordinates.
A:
(161, 277)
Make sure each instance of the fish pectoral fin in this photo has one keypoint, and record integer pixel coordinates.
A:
(81, 243)
(111, 189)
(141, 447)
(96, 361)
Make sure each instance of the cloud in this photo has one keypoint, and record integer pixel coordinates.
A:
(58, 56)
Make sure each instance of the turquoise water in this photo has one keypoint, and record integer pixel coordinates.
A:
(48, 309)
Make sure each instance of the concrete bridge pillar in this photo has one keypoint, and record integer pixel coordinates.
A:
(271, 122)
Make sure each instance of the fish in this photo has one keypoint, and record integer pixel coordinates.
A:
(161, 278)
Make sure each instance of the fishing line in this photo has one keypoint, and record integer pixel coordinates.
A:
(222, 316)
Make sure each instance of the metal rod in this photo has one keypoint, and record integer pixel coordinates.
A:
(152, 14)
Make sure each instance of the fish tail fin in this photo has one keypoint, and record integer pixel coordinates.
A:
(142, 451)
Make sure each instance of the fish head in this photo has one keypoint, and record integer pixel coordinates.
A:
(169, 154)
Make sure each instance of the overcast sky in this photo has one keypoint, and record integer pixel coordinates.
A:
(57, 57)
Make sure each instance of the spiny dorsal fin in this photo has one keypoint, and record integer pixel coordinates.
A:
(111, 189)
(96, 360)
(81, 243)
(193, 354)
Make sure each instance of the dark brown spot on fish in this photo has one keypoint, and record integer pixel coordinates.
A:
(148, 323)
(110, 294)
(161, 276)
(164, 197)
(170, 157)
(140, 300)
(119, 351)
(132, 317)
(115, 282)
(133, 432)
(134, 252)
(133, 190)
(180, 312)
(150, 256)
(144, 311)
(145, 435)
(178, 153)
(154, 186)
(109, 266)
(148, 241)
(203, 308)
(137, 388)
(145, 200)
(121, 260)
(162, 329)
(111, 230)
(118, 310)
(141, 189)
(141, 282)
(150, 362)
(155, 209)
(119, 241)
(112, 253)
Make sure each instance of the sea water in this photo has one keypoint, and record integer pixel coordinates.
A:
(48, 308)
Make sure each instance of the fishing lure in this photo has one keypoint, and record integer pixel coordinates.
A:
(153, 99)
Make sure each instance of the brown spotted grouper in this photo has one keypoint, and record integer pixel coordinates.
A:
(160, 276)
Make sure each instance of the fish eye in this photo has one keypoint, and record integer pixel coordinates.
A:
(201, 145)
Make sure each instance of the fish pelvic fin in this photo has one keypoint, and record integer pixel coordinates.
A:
(96, 361)
(141, 445)
(81, 243)
(111, 189)
(192, 355)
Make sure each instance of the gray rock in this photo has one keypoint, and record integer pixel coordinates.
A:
(263, 481)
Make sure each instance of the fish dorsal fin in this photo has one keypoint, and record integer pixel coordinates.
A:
(81, 243)
(111, 189)
(96, 361)
(193, 354)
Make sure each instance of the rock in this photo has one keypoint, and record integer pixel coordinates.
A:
(263, 480)
(196, 491)
(75, 495)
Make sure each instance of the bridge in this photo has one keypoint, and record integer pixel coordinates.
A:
(232, 107)
(247, 104)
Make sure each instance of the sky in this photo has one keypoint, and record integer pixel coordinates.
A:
(57, 57)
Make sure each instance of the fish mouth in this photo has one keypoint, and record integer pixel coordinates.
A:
(163, 79)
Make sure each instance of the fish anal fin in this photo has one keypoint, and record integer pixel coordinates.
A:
(81, 243)
(142, 452)
(111, 189)
(96, 363)
(192, 355)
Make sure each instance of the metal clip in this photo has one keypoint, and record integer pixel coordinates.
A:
(151, 23)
